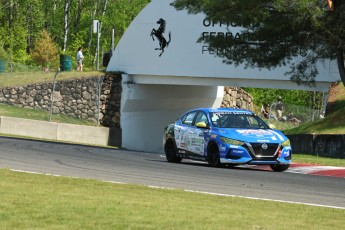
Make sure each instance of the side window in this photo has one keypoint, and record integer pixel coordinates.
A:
(188, 118)
(253, 122)
(201, 117)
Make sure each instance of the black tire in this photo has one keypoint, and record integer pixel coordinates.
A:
(279, 168)
(171, 152)
(213, 156)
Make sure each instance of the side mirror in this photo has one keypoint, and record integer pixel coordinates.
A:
(202, 125)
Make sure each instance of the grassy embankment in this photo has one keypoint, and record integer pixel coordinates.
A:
(22, 79)
(334, 121)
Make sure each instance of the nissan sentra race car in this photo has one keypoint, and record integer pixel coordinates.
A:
(226, 136)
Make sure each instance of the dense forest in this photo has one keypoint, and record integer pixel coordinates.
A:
(33, 33)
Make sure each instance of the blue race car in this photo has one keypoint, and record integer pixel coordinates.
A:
(226, 136)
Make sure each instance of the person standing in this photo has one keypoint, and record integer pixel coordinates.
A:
(80, 58)
(265, 110)
(280, 109)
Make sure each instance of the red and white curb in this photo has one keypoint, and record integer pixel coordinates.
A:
(310, 169)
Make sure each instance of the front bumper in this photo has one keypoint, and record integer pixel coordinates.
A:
(256, 153)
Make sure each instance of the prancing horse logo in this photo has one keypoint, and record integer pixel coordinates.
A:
(163, 43)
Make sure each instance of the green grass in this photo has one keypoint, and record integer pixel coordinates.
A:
(332, 124)
(27, 78)
(317, 160)
(36, 114)
(30, 201)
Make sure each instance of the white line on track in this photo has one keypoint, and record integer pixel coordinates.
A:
(200, 192)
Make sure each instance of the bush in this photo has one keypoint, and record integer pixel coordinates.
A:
(45, 51)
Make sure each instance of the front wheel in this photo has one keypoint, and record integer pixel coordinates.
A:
(171, 152)
(213, 156)
(279, 168)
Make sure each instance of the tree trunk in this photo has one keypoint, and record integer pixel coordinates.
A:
(79, 10)
(341, 64)
(29, 27)
(66, 26)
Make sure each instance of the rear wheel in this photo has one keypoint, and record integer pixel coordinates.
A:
(213, 156)
(171, 152)
(279, 168)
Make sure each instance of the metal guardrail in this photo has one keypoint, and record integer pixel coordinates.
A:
(323, 145)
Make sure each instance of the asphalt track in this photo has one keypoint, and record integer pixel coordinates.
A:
(152, 170)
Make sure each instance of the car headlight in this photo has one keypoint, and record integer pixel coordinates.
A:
(231, 141)
(286, 143)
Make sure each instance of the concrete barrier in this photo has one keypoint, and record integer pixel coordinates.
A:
(55, 131)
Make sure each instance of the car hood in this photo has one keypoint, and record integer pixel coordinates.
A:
(253, 135)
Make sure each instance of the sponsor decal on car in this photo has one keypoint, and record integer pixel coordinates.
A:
(237, 112)
(222, 148)
(237, 151)
(263, 141)
(254, 132)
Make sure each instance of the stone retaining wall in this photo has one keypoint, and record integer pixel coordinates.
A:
(111, 101)
(76, 98)
(235, 97)
(79, 98)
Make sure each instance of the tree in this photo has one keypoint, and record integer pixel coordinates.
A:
(45, 50)
(277, 32)
(68, 22)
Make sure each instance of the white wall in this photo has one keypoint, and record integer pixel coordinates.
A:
(147, 109)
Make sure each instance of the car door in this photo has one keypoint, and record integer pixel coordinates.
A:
(197, 141)
(184, 131)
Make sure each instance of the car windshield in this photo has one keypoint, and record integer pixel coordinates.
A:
(237, 120)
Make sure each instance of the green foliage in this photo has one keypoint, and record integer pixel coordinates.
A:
(276, 32)
(3, 54)
(307, 99)
(22, 22)
(45, 50)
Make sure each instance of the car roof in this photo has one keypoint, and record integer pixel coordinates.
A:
(224, 110)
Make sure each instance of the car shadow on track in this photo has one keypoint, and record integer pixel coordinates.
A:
(225, 167)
